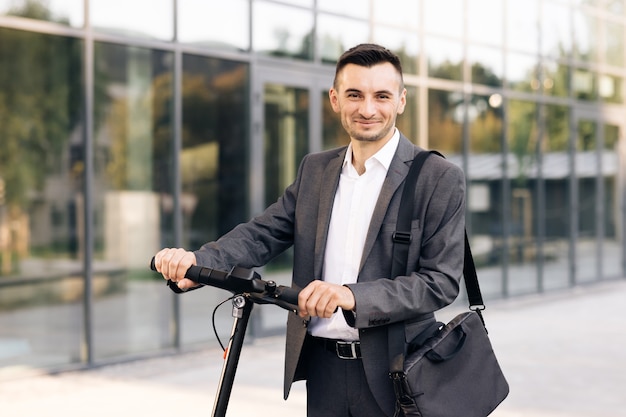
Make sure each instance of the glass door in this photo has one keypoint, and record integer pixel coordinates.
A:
(287, 123)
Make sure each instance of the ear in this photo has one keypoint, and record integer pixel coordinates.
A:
(402, 104)
(334, 99)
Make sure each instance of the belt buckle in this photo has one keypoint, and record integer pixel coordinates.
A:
(341, 355)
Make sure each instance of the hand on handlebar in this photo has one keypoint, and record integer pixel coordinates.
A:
(322, 299)
(317, 299)
(173, 265)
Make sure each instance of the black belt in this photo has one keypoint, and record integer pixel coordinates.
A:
(343, 349)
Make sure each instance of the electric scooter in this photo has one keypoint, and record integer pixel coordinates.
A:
(248, 289)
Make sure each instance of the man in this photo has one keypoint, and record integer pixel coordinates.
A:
(340, 214)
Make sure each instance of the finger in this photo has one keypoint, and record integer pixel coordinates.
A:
(310, 305)
(185, 284)
(162, 262)
(177, 265)
(319, 301)
(326, 305)
(303, 296)
(169, 264)
(158, 260)
(174, 266)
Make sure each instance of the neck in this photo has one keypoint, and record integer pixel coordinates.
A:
(363, 150)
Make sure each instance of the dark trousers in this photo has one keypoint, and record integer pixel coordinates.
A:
(337, 387)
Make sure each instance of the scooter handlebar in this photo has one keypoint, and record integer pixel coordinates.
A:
(242, 280)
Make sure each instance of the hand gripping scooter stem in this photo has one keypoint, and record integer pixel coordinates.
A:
(248, 288)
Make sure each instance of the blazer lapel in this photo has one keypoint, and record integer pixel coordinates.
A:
(398, 170)
(330, 182)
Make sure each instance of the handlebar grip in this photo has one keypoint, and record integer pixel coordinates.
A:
(194, 273)
(289, 295)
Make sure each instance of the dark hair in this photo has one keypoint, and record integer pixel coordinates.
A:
(367, 55)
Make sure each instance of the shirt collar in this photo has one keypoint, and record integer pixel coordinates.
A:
(383, 156)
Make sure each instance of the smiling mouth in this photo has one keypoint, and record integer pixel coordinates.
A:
(367, 122)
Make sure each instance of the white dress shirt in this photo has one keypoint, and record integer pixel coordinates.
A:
(352, 212)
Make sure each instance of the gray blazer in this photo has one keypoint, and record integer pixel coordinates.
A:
(301, 218)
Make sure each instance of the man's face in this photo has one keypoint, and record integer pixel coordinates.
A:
(368, 100)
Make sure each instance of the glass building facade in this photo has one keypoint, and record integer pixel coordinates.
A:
(128, 126)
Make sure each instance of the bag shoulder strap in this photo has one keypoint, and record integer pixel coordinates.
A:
(402, 239)
(402, 235)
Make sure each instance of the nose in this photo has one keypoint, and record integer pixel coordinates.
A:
(367, 108)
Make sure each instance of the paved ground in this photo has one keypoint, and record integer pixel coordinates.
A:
(563, 353)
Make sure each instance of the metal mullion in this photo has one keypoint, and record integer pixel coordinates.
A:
(88, 77)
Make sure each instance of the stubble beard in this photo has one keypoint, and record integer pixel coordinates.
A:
(373, 136)
(363, 135)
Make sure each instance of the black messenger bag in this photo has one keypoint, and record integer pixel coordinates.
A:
(451, 370)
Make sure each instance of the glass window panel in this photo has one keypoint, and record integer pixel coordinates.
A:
(337, 34)
(214, 173)
(614, 48)
(407, 122)
(612, 243)
(484, 20)
(586, 140)
(121, 17)
(333, 133)
(586, 30)
(486, 65)
(286, 142)
(445, 121)
(555, 172)
(484, 193)
(404, 44)
(522, 72)
(610, 88)
(445, 59)
(133, 194)
(286, 136)
(522, 26)
(41, 202)
(230, 31)
(444, 17)
(485, 123)
(352, 8)
(584, 84)
(282, 30)
(386, 11)
(522, 173)
(68, 12)
(586, 171)
(556, 38)
(555, 79)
